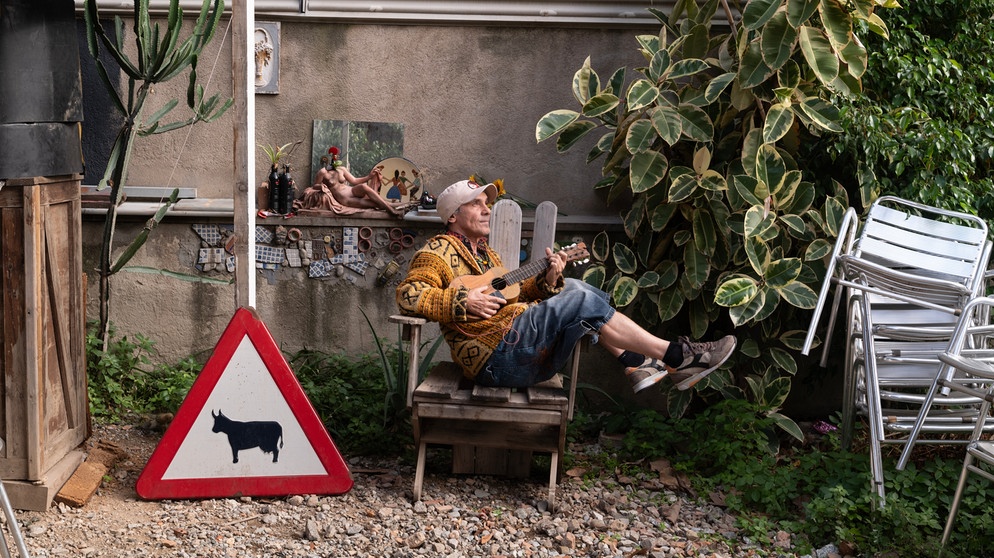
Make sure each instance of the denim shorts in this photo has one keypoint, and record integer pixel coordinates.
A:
(541, 339)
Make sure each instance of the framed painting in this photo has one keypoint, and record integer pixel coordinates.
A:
(361, 145)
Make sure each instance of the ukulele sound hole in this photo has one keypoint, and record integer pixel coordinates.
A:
(499, 284)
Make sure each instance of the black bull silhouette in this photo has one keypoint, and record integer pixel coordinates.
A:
(265, 435)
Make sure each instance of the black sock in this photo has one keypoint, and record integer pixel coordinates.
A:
(674, 355)
(630, 359)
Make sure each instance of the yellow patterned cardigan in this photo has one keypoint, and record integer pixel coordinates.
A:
(426, 292)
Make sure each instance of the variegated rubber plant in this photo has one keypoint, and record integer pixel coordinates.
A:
(724, 230)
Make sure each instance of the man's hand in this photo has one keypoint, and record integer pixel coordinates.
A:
(557, 263)
(483, 305)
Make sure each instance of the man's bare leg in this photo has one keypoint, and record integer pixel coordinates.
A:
(620, 333)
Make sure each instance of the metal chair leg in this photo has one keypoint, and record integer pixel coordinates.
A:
(12, 526)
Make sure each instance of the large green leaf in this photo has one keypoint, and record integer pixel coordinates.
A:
(778, 40)
(661, 215)
(670, 302)
(758, 253)
(698, 316)
(770, 166)
(798, 294)
(745, 187)
(686, 68)
(782, 271)
(717, 85)
(683, 183)
(624, 258)
(696, 123)
(779, 119)
(641, 94)
(553, 122)
(633, 219)
(818, 53)
(696, 266)
(600, 104)
(736, 292)
(659, 64)
(834, 212)
(668, 272)
(705, 236)
(177, 275)
(667, 122)
(647, 169)
(798, 11)
(787, 425)
(753, 70)
(624, 292)
(712, 180)
(586, 84)
(758, 12)
(573, 133)
(595, 276)
(836, 21)
(640, 136)
(855, 56)
(822, 113)
(748, 310)
(818, 249)
(600, 247)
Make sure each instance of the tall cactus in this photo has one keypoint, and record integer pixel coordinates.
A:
(160, 57)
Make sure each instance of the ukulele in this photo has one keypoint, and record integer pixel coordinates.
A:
(505, 283)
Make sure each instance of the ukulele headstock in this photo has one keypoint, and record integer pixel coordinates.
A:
(576, 253)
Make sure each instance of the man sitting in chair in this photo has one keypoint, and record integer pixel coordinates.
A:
(522, 342)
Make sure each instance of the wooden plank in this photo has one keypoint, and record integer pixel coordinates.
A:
(544, 232)
(59, 400)
(505, 233)
(511, 436)
(34, 222)
(461, 411)
(440, 383)
(494, 394)
(546, 396)
(14, 351)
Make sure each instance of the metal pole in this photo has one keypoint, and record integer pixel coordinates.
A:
(243, 90)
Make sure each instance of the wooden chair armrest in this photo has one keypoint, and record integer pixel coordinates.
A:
(412, 332)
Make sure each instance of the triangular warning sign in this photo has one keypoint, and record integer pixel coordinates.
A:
(245, 429)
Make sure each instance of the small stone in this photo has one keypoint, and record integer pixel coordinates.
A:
(417, 540)
(312, 531)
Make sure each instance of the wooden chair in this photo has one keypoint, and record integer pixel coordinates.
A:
(491, 430)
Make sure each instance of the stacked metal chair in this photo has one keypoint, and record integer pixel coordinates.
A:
(905, 276)
(967, 369)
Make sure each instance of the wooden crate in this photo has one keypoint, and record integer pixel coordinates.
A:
(43, 400)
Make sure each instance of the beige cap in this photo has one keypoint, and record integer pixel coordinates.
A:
(459, 193)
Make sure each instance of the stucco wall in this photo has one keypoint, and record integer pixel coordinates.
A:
(469, 98)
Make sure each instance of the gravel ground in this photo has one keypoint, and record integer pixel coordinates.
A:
(612, 515)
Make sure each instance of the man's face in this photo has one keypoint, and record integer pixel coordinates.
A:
(472, 218)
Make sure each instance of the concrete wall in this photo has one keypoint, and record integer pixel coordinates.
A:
(469, 98)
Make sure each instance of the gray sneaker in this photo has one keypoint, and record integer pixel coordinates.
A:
(700, 359)
(646, 374)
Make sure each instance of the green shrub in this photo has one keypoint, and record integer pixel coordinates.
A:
(123, 381)
(352, 398)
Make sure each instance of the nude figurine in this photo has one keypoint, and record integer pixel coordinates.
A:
(350, 191)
